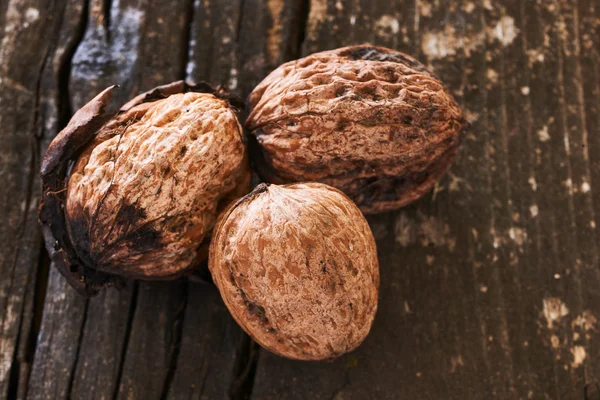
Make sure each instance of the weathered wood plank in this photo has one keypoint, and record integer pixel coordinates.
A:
(154, 338)
(30, 53)
(589, 94)
(270, 33)
(102, 345)
(63, 310)
(489, 284)
(61, 305)
(567, 268)
(236, 43)
(58, 341)
(213, 48)
(577, 240)
(209, 349)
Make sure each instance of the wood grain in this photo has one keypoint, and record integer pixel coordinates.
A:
(58, 342)
(32, 52)
(210, 348)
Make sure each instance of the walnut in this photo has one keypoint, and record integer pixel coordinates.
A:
(297, 267)
(135, 194)
(371, 121)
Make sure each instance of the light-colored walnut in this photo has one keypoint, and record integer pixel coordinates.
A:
(150, 184)
(371, 121)
(297, 267)
(147, 184)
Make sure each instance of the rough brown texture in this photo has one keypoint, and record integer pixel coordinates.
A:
(297, 267)
(143, 195)
(373, 122)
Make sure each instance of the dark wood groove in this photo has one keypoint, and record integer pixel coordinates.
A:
(65, 108)
(77, 351)
(29, 314)
(106, 8)
(65, 112)
(240, 19)
(27, 349)
(179, 320)
(131, 314)
(31, 196)
(304, 13)
(186, 42)
(245, 370)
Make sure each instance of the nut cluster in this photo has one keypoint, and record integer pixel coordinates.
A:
(144, 192)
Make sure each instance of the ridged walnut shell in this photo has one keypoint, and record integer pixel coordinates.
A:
(136, 194)
(371, 121)
(297, 268)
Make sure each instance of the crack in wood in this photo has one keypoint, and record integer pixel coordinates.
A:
(78, 349)
(187, 39)
(30, 196)
(128, 328)
(30, 312)
(245, 370)
(240, 19)
(30, 327)
(304, 14)
(175, 348)
(55, 65)
(106, 14)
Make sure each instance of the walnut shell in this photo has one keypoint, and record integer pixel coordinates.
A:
(145, 185)
(297, 267)
(373, 122)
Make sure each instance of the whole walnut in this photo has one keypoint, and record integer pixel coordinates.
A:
(297, 267)
(371, 121)
(136, 193)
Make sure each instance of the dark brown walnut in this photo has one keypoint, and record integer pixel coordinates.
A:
(371, 121)
(297, 267)
(136, 193)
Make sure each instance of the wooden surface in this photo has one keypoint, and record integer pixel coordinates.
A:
(490, 284)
